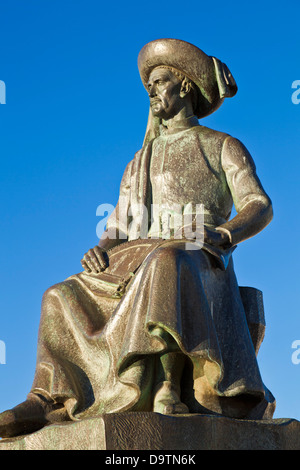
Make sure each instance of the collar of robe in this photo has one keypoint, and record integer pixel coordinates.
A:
(180, 125)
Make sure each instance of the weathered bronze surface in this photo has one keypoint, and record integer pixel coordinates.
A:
(157, 321)
(154, 431)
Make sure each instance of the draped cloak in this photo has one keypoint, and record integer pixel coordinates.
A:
(98, 347)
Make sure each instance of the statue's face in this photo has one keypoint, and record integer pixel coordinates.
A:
(164, 93)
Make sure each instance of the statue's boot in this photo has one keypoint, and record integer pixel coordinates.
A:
(25, 418)
(167, 399)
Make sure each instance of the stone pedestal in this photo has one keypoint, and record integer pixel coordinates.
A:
(153, 431)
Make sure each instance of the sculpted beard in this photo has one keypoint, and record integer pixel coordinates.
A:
(158, 105)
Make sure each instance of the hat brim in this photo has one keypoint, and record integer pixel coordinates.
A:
(188, 59)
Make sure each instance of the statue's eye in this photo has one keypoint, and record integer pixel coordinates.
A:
(159, 82)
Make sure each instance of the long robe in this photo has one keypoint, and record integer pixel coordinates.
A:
(98, 348)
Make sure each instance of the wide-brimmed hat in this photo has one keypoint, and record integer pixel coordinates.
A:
(211, 77)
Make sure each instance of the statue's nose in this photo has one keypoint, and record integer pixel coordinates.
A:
(152, 90)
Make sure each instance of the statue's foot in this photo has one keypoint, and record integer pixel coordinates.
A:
(167, 400)
(25, 418)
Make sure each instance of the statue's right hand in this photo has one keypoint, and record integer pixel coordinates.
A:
(95, 260)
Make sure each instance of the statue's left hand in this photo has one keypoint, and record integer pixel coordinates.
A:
(95, 260)
(215, 238)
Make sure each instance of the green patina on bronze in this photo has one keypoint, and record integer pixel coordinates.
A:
(154, 324)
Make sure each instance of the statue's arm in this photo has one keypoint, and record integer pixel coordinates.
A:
(253, 206)
(95, 260)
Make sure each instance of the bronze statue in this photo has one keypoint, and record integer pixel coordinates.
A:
(157, 321)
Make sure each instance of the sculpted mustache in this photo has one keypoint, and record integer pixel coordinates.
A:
(157, 100)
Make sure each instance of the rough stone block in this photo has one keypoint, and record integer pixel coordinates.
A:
(153, 431)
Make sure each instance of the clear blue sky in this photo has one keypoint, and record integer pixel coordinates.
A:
(76, 113)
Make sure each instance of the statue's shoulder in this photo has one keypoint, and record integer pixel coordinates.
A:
(206, 133)
(211, 141)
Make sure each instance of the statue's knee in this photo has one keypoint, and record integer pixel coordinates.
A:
(170, 252)
(51, 291)
(56, 291)
(54, 303)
